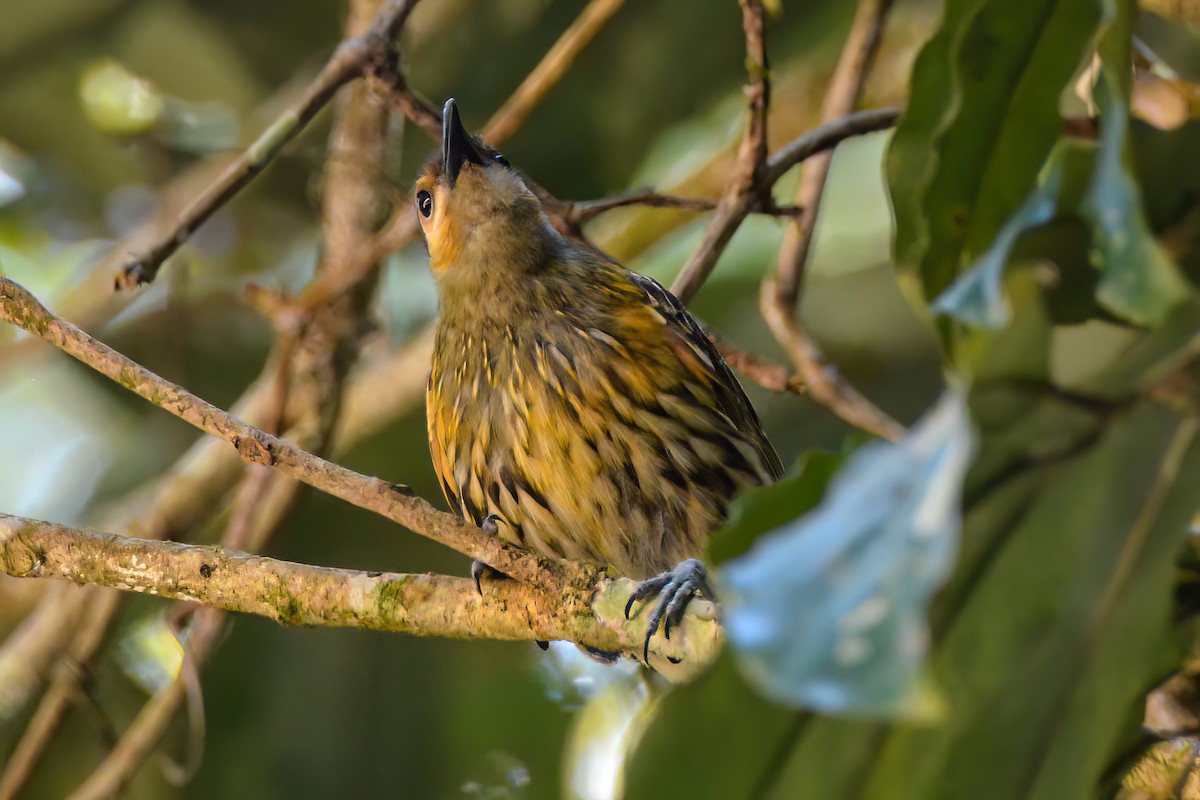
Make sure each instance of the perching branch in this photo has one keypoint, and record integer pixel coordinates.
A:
(346, 63)
(590, 613)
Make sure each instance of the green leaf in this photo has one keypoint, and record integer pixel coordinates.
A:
(1056, 620)
(1138, 280)
(828, 612)
(982, 120)
(911, 161)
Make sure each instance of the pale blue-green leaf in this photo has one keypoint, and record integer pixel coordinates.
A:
(1139, 281)
(828, 612)
(977, 297)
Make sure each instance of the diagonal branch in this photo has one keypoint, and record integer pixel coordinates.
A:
(841, 97)
(254, 446)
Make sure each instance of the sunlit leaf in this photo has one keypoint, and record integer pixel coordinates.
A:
(828, 611)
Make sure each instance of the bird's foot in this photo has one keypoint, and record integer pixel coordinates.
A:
(674, 590)
(491, 526)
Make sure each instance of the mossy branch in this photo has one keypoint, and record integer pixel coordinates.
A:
(590, 613)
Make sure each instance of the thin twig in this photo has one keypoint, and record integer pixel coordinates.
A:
(767, 374)
(346, 63)
(781, 289)
(584, 211)
(845, 88)
(821, 380)
(744, 191)
(825, 137)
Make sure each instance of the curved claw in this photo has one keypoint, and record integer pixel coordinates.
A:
(675, 589)
(647, 588)
(477, 570)
(490, 526)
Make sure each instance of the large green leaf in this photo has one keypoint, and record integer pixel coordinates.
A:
(982, 119)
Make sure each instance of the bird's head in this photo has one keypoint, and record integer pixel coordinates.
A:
(480, 221)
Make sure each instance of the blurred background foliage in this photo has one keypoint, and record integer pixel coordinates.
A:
(113, 113)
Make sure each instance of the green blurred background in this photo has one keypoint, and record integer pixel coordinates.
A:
(655, 100)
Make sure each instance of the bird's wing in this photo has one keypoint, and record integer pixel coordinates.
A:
(701, 356)
(439, 451)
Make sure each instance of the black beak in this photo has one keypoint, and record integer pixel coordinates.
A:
(458, 147)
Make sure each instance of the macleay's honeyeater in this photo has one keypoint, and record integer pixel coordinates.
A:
(574, 407)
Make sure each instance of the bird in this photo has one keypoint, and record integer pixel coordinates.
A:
(574, 407)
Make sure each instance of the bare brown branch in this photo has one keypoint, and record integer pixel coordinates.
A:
(822, 380)
(781, 290)
(767, 374)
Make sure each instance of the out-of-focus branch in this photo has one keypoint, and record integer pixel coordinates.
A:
(346, 63)
(590, 610)
(841, 97)
(744, 190)
(781, 289)
(549, 71)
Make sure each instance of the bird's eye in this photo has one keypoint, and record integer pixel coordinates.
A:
(425, 203)
(501, 160)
